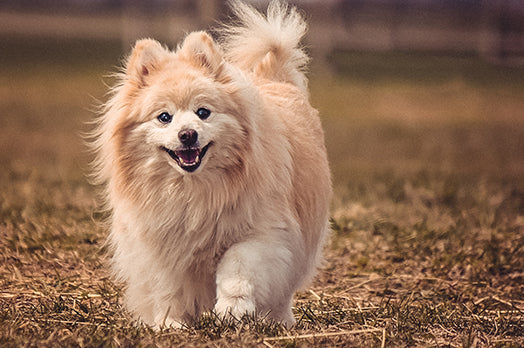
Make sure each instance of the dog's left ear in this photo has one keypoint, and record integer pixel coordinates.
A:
(144, 60)
(200, 49)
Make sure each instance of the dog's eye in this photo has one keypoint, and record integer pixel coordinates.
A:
(164, 117)
(203, 113)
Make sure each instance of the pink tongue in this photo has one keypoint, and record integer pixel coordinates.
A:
(188, 156)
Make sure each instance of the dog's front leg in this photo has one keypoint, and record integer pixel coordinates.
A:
(257, 276)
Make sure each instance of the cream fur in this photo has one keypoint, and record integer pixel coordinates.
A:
(243, 231)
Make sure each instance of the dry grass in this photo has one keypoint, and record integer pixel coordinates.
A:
(427, 250)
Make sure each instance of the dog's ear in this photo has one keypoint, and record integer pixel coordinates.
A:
(200, 50)
(144, 60)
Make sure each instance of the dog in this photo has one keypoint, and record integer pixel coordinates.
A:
(215, 172)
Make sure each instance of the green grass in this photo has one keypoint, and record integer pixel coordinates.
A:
(427, 248)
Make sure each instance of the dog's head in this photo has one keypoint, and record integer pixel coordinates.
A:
(183, 112)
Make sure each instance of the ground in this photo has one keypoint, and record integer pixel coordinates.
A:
(427, 246)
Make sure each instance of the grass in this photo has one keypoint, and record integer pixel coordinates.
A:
(427, 248)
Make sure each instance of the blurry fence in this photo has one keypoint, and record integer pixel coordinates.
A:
(493, 29)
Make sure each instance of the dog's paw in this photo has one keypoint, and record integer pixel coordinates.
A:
(163, 322)
(234, 307)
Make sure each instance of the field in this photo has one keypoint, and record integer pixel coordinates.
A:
(427, 155)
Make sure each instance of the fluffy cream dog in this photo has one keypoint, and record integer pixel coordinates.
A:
(215, 171)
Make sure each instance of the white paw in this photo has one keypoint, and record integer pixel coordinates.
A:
(166, 322)
(235, 307)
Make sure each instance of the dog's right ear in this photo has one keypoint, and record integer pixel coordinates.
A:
(144, 60)
(200, 50)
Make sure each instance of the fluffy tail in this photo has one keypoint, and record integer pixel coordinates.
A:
(268, 45)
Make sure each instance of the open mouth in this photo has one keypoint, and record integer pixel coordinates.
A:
(188, 159)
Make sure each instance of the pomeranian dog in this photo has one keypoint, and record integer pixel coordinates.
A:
(215, 172)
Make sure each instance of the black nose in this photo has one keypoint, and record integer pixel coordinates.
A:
(188, 137)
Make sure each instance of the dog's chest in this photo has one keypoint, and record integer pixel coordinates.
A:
(197, 238)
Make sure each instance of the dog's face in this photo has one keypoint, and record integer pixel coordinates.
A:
(186, 110)
(186, 123)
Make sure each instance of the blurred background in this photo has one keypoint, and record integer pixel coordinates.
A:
(403, 86)
(493, 29)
